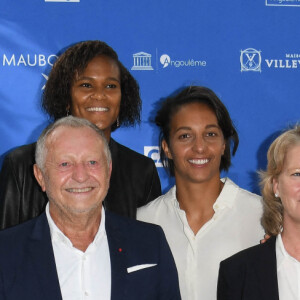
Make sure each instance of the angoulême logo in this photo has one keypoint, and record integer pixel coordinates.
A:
(250, 60)
(166, 61)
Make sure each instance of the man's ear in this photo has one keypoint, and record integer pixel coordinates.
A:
(39, 177)
(166, 149)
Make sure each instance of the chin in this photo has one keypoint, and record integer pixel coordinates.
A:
(85, 209)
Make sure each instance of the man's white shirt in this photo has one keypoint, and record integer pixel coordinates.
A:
(82, 275)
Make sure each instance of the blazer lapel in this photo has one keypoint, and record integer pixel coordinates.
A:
(266, 270)
(41, 254)
(117, 250)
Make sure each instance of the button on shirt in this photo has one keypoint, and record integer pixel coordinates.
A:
(82, 275)
(288, 273)
(234, 226)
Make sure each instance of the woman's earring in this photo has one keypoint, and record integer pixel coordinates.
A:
(276, 195)
(118, 122)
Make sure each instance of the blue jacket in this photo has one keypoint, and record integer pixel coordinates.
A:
(28, 271)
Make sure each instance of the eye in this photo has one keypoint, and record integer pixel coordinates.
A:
(86, 85)
(211, 134)
(296, 174)
(184, 136)
(92, 163)
(111, 86)
(64, 164)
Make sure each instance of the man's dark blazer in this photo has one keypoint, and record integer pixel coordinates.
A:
(28, 271)
(250, 274)
(134, 182)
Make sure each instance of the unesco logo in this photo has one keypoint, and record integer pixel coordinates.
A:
(142, 62)
(250, 60)
(153, 153)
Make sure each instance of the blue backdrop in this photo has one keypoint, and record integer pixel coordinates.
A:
(248, 52)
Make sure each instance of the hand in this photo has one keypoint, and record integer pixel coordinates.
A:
(266, 237)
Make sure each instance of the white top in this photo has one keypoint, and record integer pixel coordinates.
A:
(82, 275)
(234, 227)
(288, 273)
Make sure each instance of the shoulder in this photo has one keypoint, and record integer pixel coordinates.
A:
(133, 230)
(250, 255)
(13, 238)
(157, 207)
(242, 195)
(119, 150)
(22, 153)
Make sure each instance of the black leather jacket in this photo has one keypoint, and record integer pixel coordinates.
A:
(134, 182)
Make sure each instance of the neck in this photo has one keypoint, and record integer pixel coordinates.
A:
(107, 134)
(291, 239)
(197, 200)
(80, 228)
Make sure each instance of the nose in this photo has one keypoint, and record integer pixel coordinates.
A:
(99, 93)
(199, 144)
(80, 173)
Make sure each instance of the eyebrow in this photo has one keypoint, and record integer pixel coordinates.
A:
(91, 78)
(297, 169)
(206, 127)
(213, 126)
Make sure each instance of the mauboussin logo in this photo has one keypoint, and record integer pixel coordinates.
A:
(166, 61)
(28, 60)
(153, 153)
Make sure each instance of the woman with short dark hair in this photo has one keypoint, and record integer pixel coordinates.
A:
(205, 218)
(90, 82)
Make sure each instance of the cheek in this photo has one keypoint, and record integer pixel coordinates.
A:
(77, 100)
(178, 151)
(60, 179)
(117, 103)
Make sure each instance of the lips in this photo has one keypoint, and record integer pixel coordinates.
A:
(97, 109)
(202, 161)
(82, 190)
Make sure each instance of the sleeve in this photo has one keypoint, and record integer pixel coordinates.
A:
(169, 284)
(153, 187)
(9, 194)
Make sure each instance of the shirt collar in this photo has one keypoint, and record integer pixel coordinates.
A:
(227, 195)
(282, 255)
(225, 199)
(57, 235)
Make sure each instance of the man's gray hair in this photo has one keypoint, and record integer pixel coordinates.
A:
(72, 122)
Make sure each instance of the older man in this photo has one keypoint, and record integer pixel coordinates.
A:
(76, 249)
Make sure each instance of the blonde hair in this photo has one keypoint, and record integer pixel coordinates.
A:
(272, 219)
